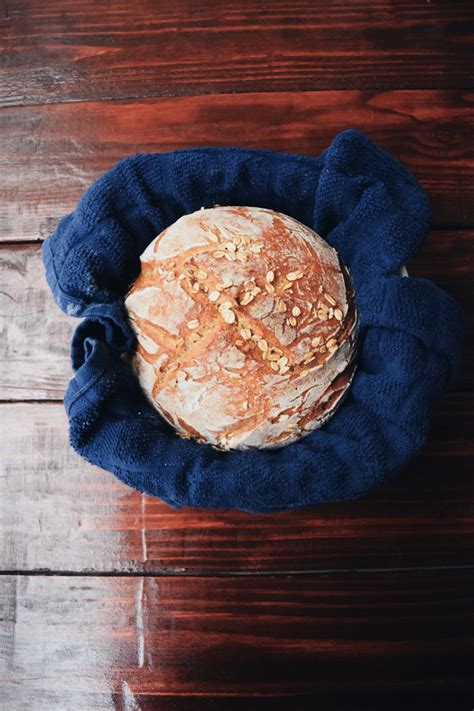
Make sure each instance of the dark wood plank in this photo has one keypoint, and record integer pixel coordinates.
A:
(61, 514)
(333, 701)
(294, 636)
(35, 331)
(74, 50)
(52, 153)
(447, 258)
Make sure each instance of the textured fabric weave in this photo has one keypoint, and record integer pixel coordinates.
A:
(370, 209)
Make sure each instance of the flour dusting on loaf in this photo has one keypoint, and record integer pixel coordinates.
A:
(246, 327)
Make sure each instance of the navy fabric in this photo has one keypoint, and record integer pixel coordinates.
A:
(370, 209)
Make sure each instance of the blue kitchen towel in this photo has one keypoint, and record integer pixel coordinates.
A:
(370, 209)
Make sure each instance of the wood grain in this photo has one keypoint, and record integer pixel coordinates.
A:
(367, 700)
(76, 50)
(35, 334)
(52, 153)
(379, 633)
(59, 513)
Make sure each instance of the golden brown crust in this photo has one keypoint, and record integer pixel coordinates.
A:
(246, 327)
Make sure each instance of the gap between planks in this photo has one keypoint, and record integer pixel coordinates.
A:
(46, 401)
(182, 573)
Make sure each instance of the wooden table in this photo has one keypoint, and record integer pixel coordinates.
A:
(111, 600)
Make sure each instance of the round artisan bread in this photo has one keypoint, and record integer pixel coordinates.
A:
(246, 327)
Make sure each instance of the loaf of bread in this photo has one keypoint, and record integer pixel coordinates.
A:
(246, 327)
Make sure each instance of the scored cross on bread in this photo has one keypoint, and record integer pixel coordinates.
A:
(246, 327)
